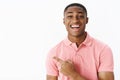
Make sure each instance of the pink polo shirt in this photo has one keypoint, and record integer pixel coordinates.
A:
(91, 57)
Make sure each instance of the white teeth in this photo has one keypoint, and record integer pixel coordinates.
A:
(75, 26)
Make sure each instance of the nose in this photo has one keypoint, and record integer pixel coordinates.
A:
(75, 19)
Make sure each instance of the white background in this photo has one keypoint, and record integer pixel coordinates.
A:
(29, 28)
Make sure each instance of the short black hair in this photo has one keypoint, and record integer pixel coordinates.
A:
(76, 4)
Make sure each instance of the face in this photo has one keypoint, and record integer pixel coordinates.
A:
(75, 20)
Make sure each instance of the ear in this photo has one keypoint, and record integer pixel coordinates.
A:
(87, 20)
(63, 20)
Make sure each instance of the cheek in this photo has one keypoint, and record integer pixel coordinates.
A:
(67, 22)
(67, 26)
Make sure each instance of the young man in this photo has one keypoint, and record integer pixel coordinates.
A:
(80, 56)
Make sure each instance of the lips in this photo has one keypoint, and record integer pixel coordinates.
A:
(74, 26)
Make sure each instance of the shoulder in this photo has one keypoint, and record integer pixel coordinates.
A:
(101, 46)
(56, 48)
(94, 42)
(99, 43)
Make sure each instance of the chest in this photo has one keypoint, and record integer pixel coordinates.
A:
(85, 59)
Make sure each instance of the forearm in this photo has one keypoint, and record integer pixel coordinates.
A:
(76, 76)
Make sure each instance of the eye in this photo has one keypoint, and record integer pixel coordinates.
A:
(69, 17)
(81, 16)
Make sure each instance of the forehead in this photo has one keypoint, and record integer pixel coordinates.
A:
(74, 9)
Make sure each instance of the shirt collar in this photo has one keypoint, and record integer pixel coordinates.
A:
(86, 42)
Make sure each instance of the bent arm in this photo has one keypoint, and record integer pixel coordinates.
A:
(105, 71)
(105, 76)
(49, 77)
(76, 76)
(101, 76)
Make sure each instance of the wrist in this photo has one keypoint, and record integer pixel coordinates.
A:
(76, 76)
(73, 75)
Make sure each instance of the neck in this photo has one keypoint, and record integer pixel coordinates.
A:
(79, 39)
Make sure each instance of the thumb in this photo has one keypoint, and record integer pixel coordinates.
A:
(69, 61)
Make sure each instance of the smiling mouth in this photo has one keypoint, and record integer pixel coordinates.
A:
(74, 26)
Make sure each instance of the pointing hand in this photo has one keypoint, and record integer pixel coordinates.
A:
(67, 67)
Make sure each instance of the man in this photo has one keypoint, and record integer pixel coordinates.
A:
(79, 57)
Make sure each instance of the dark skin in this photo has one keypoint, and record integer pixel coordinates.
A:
(76, 16)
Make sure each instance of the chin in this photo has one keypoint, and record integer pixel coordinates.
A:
(78, 35)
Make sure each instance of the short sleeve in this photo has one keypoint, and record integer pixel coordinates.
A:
(51, 68)
(106, 60)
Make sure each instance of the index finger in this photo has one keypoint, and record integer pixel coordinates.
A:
(58, 59)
